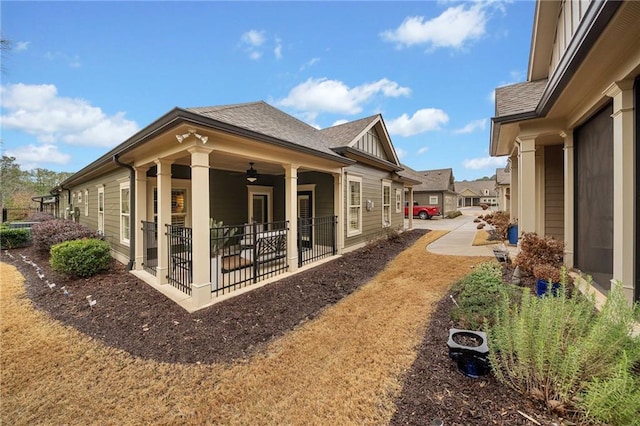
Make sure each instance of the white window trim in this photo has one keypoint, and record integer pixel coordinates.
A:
(398, 200)
(123, 240)
(86, 202)
(431, 197)
(352, 232)
(100, 214)
(385, 184)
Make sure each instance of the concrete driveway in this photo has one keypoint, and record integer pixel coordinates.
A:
(460, 238)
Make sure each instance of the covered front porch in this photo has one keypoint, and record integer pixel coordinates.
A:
(218, 216)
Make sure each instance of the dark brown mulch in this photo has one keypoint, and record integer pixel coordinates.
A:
(435, 388)
(132, 316)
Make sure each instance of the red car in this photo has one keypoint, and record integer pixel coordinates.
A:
(423, 212)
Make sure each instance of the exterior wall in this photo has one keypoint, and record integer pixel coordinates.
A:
(111, 182)
(446, 201)
(571, 13)
(371, 190)
(323, 192)
(554, 192)
(450, 203)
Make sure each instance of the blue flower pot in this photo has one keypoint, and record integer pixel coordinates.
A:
(542, 287)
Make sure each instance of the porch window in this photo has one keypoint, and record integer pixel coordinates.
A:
(86, 202)
(101, 209)
(178, 206)
(398, 201)
(354, 207)
(125, 225)
(386, 203)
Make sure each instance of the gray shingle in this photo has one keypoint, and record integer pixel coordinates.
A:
(503, 177)
(432, 180)
(342, 134)
(519, 98)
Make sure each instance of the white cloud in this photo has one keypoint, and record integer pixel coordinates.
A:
(423, 120)
(39, 111)
(309, 63)
(423, 150)
(339, 122)
(324, 95)
(484, 162)
(72, 61)
(455, 28)
(31, 156)
(255, 55)
(22, 46)
(254, 38)
(277, 51)
(472, 126)
(401, 153)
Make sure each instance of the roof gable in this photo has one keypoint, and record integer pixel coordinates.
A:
(432, 180)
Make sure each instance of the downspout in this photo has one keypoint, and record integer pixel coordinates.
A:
(132, 211)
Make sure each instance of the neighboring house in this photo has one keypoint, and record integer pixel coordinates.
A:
(476, 192)
(503, 188)
(571, 132)
(287, 193)
(436, 188)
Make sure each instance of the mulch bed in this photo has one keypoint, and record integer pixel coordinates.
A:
(130, 315)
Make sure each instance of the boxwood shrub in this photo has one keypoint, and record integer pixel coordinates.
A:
(47, 234)
(14, 237)
(81, 258)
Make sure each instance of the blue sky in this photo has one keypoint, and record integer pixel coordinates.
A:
(82, 77)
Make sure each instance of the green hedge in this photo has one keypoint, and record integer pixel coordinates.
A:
(14, 237)
(82, 258)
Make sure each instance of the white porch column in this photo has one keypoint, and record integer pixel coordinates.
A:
(569, 188)
(201, 238)
(410, 209)
(291, 213)
(541, 228)
(164, 217)
(338, 210)
(623, 185)
(527, 184)
(140, 213)
(514, 195)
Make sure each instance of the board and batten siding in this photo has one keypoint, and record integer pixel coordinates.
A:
(554, 192)
(111, 182)
(371, 190)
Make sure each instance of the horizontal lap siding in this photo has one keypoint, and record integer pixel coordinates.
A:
(554, 192)
(371, 190)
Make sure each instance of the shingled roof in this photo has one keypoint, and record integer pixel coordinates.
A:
(502, 176)
(432, 180)
(341, 134)
(263, 118)
(519, 98)
(477, 187)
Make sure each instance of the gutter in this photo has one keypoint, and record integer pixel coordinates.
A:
(132, 210)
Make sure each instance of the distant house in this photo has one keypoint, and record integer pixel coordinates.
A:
(436, 188)
(287, 195)
(571, 132)
(476, 192)
(503, 188)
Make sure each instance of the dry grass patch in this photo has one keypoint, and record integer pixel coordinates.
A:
(344, 367)
(482, 239)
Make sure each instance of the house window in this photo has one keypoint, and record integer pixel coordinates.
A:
(86, 202)
(125, 224)
(354, 206)
(386, 203)
(398, 201)
(101, 210)
(79, 197)
(433, 199)
(178, 206)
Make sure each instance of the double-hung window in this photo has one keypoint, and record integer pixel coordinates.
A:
(354, 205)
(101, 209)
(386, 203)
(86, 202)
(398, 200)
(125, 224)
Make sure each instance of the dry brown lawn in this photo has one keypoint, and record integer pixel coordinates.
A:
(344, 367)
(482, 239)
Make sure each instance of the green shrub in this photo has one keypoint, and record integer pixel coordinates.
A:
(14, 237)
(81, 258)
(553, 348)
(478, 293)
(452, 214)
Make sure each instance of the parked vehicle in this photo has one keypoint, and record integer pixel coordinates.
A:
(423, 212)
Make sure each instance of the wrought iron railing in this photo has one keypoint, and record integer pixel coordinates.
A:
(180, 272)
(150, 247)
(317, 238)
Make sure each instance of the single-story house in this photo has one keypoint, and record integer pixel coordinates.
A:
(571, 134)
(436, 188)
(215, 199)
(476, 192)
(503, 188)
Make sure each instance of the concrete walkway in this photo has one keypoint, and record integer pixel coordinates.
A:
(459, 240)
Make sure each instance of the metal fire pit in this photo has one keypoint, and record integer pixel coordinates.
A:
(471, 360)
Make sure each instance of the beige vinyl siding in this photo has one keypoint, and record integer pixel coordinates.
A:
(554, 192)
(371, 190)
(111, 182)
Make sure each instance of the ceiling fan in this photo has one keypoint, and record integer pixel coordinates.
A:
(252, 174)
